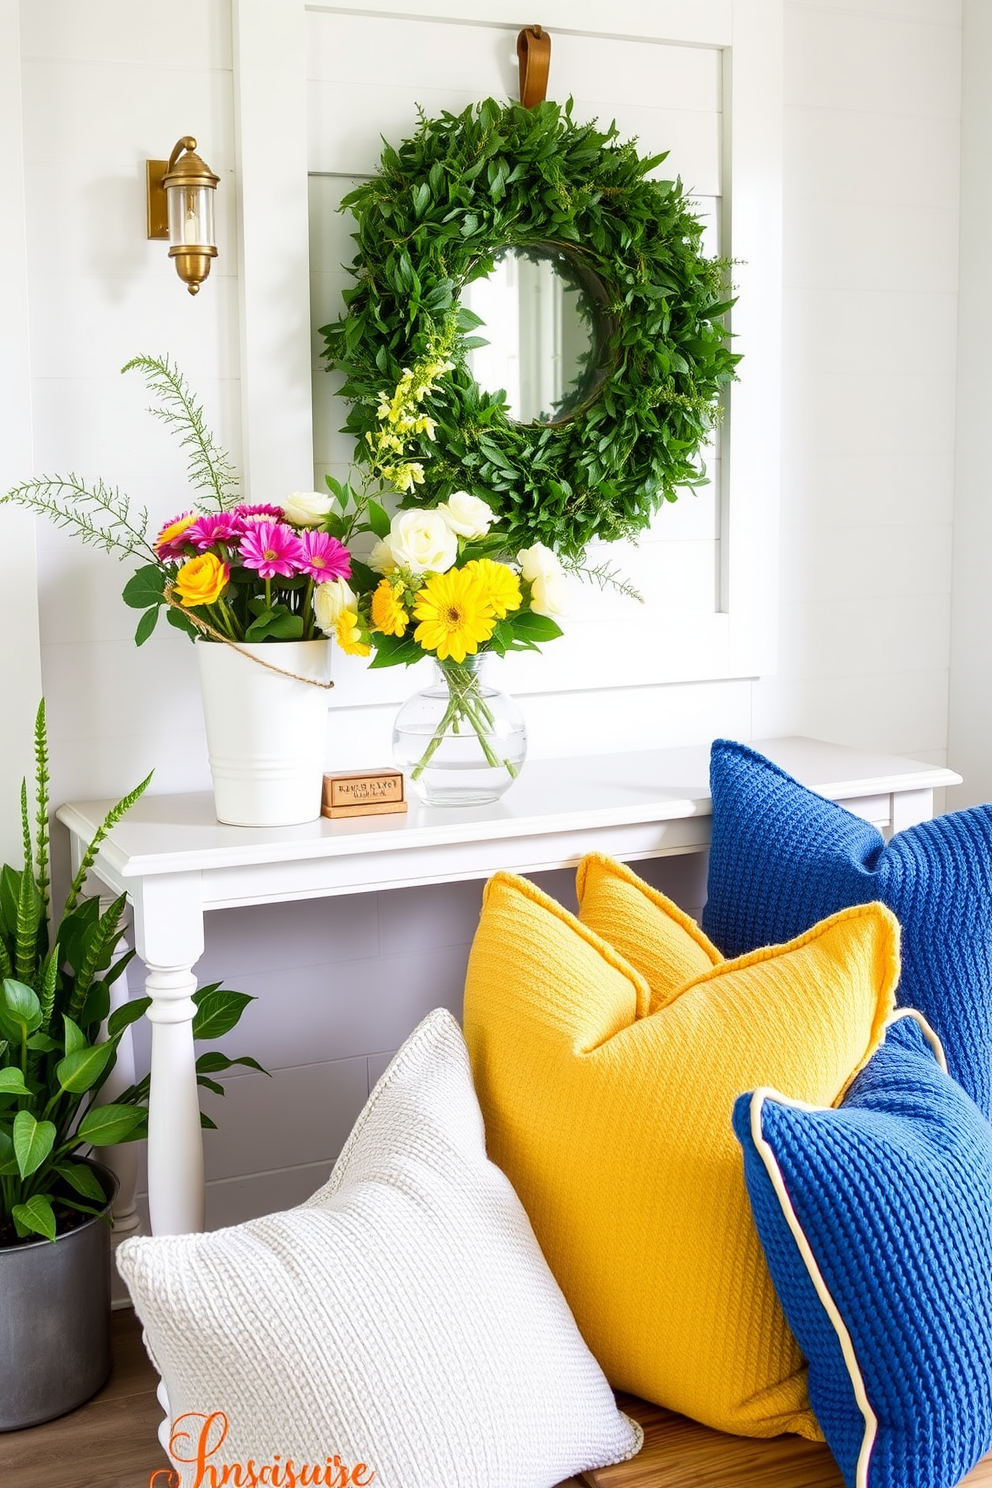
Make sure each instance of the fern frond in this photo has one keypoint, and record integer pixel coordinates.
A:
(41, 777)
(110, 821)
(209, 466)
(606, 575)
(100, 515)
(105, 935)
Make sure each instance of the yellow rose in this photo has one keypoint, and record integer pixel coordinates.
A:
(202, 580)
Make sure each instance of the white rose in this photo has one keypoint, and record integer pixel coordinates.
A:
(330, 600)
(466, 515)
(422, 542)
(548, 587)
(307, 508)
(381, 558)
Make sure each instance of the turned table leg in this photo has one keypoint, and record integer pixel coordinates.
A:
(168, 930)
(175, 1144)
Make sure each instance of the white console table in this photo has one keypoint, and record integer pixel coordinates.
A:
(175, 862)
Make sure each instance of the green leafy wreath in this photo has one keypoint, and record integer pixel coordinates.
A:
(436, 215)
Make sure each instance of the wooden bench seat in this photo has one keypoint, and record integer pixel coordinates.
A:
(678, 1453)
(113, 1437)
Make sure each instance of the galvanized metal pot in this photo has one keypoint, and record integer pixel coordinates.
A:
(55, 1319)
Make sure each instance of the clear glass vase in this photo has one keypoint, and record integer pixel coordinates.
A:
(460, 741)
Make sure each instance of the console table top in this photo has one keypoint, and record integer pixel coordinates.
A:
(175, 862)
(166, 834)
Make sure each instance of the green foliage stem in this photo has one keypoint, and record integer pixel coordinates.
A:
(99, 514)
(111, 819)
(102, 515)
(210, 468)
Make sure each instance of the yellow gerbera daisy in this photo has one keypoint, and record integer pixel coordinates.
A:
(348, 634)
(499, 584)
(455, 615)
(388, 614)
(175, 529)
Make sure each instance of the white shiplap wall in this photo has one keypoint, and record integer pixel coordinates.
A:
(872, 132)
(970, 729)
(20, 656)
(872, 100)
(871, 240)
(106, 85)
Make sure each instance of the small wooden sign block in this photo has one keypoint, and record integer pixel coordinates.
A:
(363, 793)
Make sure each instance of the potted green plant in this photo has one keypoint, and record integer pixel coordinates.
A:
(58, 1045)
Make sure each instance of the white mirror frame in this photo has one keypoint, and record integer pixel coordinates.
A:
(271, 129)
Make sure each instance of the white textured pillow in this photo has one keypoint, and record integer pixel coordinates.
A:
(403, 1318)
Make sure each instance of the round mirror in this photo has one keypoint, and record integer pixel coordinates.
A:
(543, 333)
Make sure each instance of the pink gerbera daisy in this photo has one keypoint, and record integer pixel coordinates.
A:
(272, 549)
(260, 512)
(215, 527)
(324, 557)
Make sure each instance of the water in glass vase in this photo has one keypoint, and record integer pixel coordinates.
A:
(460, 741)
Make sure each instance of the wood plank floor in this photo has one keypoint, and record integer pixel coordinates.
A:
(111, 1443)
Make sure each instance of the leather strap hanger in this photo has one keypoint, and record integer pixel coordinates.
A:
(534, 57)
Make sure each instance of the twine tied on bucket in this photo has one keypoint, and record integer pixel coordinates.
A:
(216, 635)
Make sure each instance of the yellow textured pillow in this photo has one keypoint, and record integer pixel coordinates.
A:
(613, 1124)
(656, 937)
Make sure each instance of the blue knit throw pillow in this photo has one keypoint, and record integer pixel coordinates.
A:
(876, 1222)
(783, 858)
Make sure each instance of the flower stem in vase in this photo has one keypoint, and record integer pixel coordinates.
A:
(461, 741)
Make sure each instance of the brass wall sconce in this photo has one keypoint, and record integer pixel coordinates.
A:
(180, 202)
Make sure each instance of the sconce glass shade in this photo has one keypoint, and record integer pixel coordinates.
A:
(191, 215)
(189, 189)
